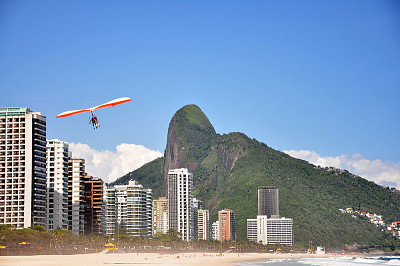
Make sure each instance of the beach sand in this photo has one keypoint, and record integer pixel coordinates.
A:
(148, 258)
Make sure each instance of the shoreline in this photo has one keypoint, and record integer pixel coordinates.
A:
(190, 258)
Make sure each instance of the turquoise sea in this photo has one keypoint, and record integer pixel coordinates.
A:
(333, 261)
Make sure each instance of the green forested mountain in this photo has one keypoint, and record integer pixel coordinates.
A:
(229, 168)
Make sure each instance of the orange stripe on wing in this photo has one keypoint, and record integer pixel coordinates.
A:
(69, 113)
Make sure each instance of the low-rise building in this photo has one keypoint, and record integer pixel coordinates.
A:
(274, 230)
(252, 230)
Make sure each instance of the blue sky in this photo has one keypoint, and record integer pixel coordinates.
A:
(321, 76)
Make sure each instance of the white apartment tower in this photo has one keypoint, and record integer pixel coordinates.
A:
(128, 207)
(203, 222)
(160, 216)
(120, 205)
(197, 205)
(76, 194)
(180, 202)
(57, 185)
(22, 167)
(215, 230)
(138, 210)
(109, 223)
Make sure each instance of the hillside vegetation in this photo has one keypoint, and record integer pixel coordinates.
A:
(229, 168)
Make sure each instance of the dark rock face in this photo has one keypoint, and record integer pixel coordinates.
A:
(190, 136)
(228, 157)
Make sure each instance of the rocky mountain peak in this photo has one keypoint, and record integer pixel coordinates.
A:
(190, 136)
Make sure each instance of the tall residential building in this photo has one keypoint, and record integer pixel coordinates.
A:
(109, 222)
(274, 230)
(120, 195)
(57, 185)
(22, 167)
(76, 190)
(128, 209)
(180, 202)
(203, 221)
(197, 205)
(93, 204)
(138, 210)
(215, 230)
(268, 202)
(252, 230)
(160, 216)
(227, 225)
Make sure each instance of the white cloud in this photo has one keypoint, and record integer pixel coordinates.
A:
(110, 165)
(377, 171)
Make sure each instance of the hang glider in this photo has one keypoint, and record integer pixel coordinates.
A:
(107, 104)
(93, 119)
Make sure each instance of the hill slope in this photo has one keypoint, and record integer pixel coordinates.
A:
(229, 168)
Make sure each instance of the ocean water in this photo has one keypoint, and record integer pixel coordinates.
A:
(333, 261)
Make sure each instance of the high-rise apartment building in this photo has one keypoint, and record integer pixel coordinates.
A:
(22, 167)
(160, 216)
(197, 205)
(274, 230)
(93, 204)
(227, 225)
(57, 185)
(109, 221)
(215, 230)
(268, 202)
(138, 210)
(128, 208)
(76, 194)
(203, 222)
(120, 195)
(252, 230)
(180, 202)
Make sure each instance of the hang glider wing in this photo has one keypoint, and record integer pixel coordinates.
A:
(73, 112)
(112, 103)
(107, 104)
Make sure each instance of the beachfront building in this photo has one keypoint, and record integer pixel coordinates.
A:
(109, 222)
(227, 225)
(268, 201)
(120, 194)
(22, 167)
(127, 210)
(197, 205)
(138, 210)
(180, 202)
(274, 230)
(93, 204)
(203, 222)
(160, 216)
(215, 230)
(57, 185)
(76, 190)
(252, 230)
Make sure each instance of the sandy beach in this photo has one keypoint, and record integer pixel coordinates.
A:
(148, 258)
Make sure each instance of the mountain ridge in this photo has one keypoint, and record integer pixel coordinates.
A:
(227, 170)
